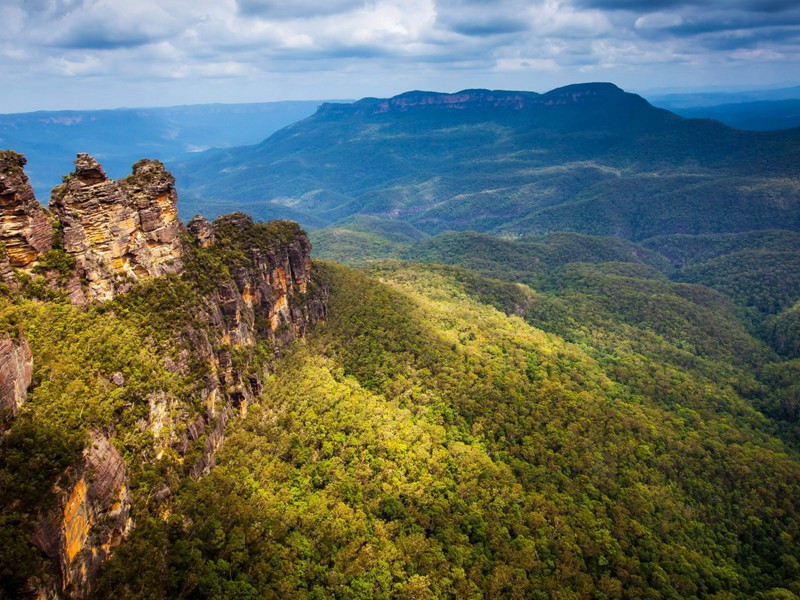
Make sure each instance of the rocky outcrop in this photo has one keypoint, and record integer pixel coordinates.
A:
(258, 301)
(251, 295)
(151, 190)
(26, 231)
(92, 517)
(119, 233)
(268, 298)
(7, 276)
(16, 369)
(202, 230)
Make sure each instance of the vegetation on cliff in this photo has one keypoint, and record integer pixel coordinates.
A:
(424, 444)
(138, 369)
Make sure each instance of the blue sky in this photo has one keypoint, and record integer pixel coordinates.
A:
(112, 53)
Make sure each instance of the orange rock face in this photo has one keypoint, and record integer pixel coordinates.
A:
(92, 518)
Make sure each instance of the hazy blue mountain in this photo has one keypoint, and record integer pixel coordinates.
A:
(762, 115)
(588, 158)
(118, 138)
(698, 99)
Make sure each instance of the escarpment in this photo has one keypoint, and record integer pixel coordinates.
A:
(228, 295)
(267, 301)
(91, 516)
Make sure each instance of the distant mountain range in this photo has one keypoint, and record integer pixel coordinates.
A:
(763, 115)
(708, 99)
(756, 110)
(589, 158)
(51, 139)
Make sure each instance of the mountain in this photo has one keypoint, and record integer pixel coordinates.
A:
(709, 99)
(764, 115)
(203, 411)
(588, 158)
(51, 139)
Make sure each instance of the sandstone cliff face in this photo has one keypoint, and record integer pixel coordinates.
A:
(16, 369)
(119, 233)
(268, 299)
(25, 229)
(202, 230)
(92, 516)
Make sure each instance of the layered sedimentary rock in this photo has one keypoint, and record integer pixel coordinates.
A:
(92, 517)
(16, 369)
(7, 276)
(202, 229)
(270, 298)
(119, 233)
(26, 231)
(260, 299)
(259, 304)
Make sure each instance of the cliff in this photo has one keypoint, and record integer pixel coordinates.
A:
(91, 516)
(497, 101)
(266, 298)
(239, 292)
(16, 368)
(119, 233)
(25, 229)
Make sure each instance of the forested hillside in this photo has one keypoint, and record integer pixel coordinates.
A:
(425, 444)
(588, 158)
(595, 396)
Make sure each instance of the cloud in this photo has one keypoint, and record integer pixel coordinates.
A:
(296, 9)
(104, 25)
(658, 20)
(380, 45)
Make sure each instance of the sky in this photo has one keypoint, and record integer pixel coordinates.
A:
(82, 54)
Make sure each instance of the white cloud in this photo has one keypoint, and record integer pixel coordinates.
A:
(658, 20)
(374, 45)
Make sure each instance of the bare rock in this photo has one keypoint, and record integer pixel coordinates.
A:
(7, 275)
(16, 369)
(151, 190)
(92, 517)
(202, 230)
(119, 233)
(26, 231)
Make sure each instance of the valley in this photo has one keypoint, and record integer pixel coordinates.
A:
(532, 346)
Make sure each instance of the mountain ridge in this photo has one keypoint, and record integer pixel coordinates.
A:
(484, 160)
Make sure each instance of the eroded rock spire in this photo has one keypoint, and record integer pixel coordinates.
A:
(122, 232)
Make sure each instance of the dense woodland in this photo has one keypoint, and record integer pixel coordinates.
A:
(564, 417)
(595, 395)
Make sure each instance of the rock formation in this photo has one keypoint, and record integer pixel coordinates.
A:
(16, 368)
(270, 298)
(92, 516)
(26, 231)
(202, 229)
(111, 235)
(119, 233)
